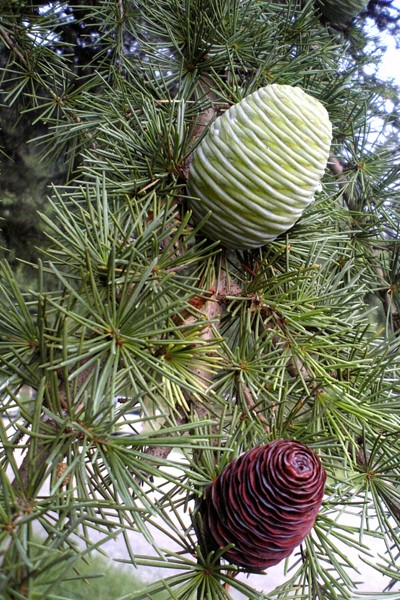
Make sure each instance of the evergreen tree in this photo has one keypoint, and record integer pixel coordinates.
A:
(147, 357)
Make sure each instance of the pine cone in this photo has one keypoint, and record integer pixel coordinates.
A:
(259, 166)
(265, 502)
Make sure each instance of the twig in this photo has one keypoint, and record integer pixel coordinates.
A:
(295, 366)
(12, 45)
(120, 6)
(212, 311)
(251, 405)
(22, 483)
(204, 119)
(26, 469)
(338, 169)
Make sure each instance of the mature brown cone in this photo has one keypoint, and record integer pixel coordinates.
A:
(265, 502)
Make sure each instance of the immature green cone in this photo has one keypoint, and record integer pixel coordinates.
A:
(342, 11)
(259, 165)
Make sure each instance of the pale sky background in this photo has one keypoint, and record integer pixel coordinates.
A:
(390, 66)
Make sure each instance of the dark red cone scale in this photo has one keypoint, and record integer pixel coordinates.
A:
(265, 502)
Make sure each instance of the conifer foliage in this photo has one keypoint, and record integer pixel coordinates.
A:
(147, 359)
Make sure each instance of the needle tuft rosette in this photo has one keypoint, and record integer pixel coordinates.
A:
(265, 502)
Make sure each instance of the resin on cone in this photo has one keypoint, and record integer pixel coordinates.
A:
(259, 166)
(265, 502)
(342, 11)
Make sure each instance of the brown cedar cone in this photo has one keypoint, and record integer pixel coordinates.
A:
(265, 502)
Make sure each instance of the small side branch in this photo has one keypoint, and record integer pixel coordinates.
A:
(337, 168)
(12, 45)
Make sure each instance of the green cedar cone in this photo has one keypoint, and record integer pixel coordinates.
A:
(259, 165)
